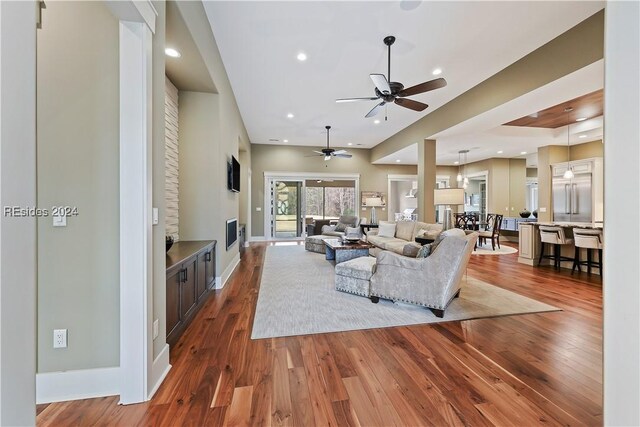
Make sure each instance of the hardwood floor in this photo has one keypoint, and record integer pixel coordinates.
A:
(517, 370)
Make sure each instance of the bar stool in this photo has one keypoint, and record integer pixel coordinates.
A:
(590, 240)
(554, 236)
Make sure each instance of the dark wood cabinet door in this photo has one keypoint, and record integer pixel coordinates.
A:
(173, 299)
(210, 267)
(188, 291)
(201, 279)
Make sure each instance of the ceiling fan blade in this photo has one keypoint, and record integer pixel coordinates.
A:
(319, 152)
(375, 110)
(424, 87)
(315, 155)
(344, 156)
(381, 83)
(355, 99)
(340, 152)
(411, 104)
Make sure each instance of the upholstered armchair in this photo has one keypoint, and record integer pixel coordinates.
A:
(340, 228)
(431, 282)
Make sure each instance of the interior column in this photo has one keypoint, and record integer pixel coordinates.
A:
(426, 180)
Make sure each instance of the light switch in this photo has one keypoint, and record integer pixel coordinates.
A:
(59, 221)
(258, 209)
(155, 216)
(542, 209)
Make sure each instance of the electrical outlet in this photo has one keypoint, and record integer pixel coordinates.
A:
(59, 338)
(542, 209)
(155, 329)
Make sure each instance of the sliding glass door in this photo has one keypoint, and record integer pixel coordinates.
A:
(294, 202)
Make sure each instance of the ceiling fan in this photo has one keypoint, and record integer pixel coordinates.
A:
(389, 91)
(328, 153)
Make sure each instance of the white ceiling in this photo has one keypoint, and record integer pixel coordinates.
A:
(470, 41)
(484, 135)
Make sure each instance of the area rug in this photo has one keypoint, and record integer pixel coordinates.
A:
(487, 250)
(297, 297)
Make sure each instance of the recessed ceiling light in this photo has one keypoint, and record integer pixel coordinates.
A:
(523, 152)
(500, 152)
(350, 143)
(290, 116)
(581, 119)
(172, 52)
(376, 121)
(456, 162)
(437, 71)
(398, 161)
(582, 136)
(302, 56)
(285, 140)
(319, 181)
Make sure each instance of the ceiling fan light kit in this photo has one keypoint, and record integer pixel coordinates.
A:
(388, 91)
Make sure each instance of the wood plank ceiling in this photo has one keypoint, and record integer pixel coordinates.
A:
(586, 106)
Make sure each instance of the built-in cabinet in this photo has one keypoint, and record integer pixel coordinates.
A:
(191, 275)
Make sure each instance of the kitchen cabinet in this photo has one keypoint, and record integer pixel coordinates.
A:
(190, 278)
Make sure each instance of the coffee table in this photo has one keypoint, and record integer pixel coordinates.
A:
(340, 251)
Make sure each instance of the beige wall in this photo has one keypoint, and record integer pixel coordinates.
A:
(278, 158)
(587, 150)
(517, 186)
(78, 139)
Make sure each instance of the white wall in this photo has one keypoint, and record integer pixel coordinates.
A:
(18, 235)
(621, 184)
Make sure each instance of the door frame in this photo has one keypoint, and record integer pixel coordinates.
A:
(295, 176)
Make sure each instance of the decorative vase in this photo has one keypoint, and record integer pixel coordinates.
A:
(525, 214)
(169, 241)
(535, 213)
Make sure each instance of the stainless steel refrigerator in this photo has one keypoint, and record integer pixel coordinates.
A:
(572, 199)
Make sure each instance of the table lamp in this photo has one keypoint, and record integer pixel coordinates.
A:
(447, 197)
(374, 202)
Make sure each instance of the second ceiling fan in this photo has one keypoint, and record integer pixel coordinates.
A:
(389, 91)
(328, 152)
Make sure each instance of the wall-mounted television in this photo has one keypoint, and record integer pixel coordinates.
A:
(233, 175)
(232, 232)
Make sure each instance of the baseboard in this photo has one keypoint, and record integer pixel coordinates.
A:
(159, 370)
(80, 384)
(257, 239)
(246, 244)
(222, 280)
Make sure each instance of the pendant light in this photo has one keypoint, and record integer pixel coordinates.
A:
(459, 177)
(568, 174)
(462, 177)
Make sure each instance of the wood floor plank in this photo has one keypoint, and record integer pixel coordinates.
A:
(534, 369)
(239, 412)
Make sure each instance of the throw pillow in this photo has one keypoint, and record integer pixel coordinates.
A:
(411, 250)
(424, 251)
(429, 248)
(341, 227)
(387, 230)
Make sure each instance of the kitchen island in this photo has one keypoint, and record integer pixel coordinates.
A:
(530, 244)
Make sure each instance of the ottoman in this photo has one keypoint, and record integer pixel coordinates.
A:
(353, 276)
(315, 243)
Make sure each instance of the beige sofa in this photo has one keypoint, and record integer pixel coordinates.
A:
(403, 242)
